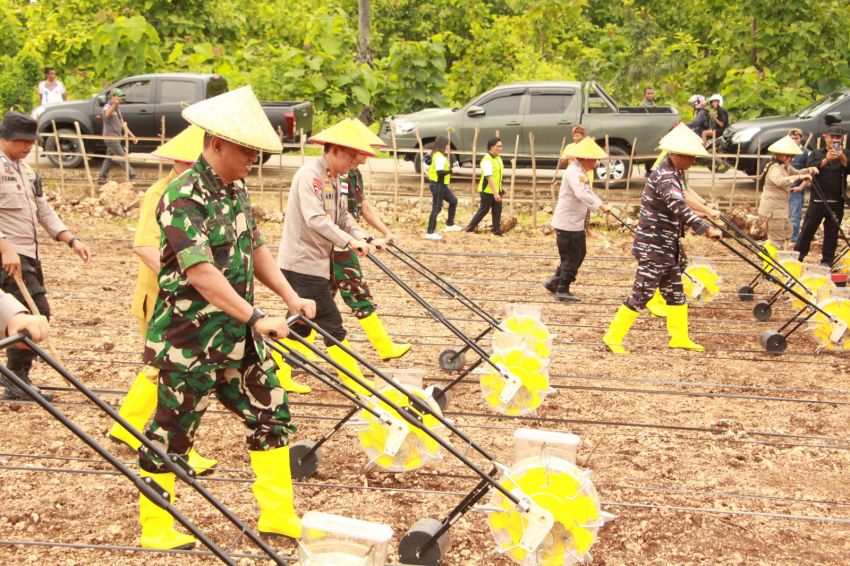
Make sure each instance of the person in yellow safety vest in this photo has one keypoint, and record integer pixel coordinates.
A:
(140, 402)
(439, 179)
(490, 188)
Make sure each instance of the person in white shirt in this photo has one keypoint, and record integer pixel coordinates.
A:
(51, 90)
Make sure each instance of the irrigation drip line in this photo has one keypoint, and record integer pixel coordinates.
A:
(121, 548)
(442, 493)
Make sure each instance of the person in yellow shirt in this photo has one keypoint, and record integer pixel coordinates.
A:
(140, 402)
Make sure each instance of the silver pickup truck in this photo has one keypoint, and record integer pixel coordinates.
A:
(549, 109)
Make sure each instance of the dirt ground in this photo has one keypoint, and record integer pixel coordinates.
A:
(731, 456)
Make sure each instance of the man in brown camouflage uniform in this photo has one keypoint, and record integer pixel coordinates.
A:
(205, 334)
(663, 213)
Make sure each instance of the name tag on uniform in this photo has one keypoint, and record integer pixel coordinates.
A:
(328, 197)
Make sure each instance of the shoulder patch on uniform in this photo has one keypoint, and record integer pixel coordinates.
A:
(582, 178)
(318, 186)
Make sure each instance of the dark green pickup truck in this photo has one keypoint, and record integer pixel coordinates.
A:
(549, 109)
(150, 99)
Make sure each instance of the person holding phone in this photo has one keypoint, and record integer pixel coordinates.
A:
(828, 190)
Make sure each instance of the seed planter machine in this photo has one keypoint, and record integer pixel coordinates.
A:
(542, 510)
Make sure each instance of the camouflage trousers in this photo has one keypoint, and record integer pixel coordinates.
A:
(348, 280)
(667, 278)
(252, 391)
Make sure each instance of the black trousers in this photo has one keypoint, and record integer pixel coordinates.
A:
(819, 212)
(572, 247)
(488, 203)
(20, 361)
(440, 193)
(327, 314)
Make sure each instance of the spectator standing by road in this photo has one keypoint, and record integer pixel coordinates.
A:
(24, 207)
(831, 180)
(439, 180)
(490, 188)
(51, 90)
(575, 201)
(797, 195)
(648, 97)
(113, 127)
(718, 118)
(779, 177)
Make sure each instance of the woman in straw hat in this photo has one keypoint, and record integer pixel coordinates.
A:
(575, 201)
(779, 177)
(140, 402)
(663, 213)
(205, 334)
(318, 222)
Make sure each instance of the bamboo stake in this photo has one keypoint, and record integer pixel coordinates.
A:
(126, 154)
(474, 155)
(555, 174)
(533, 181)
(734, 177)
(395, 171)
(59, 153)
(713, 169)
(301, 142)
(85, 158)
(513, 175)
(260, 175)
(607, 168)
(421, 172)
(631, 162)
(34, 310)
(758, 170)
(161, 143)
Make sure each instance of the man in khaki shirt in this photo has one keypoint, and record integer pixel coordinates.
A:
(23, 207)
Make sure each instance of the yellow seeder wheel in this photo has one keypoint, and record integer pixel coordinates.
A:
(703, 283)
(813, 282)
(567, 497)
(399, 446)
(533, 327)
(524, 388)
(832, 334)
(792, 265)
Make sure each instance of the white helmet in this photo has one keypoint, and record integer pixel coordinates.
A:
(718, 97)
(696, 100)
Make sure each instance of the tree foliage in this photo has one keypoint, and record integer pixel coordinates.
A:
(765, 58)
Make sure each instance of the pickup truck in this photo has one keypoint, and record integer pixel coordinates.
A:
(815, 119)
(149, 99)
(549, 109)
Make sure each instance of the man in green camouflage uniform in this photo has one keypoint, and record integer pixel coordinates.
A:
(205, 335)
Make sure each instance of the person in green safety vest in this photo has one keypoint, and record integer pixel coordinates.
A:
(490, 188)
(439, 177)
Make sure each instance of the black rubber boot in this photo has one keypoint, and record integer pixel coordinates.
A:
(14, 394)
(564, 295)
(552, 285)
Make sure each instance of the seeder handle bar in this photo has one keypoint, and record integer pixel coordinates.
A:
(147, 489)
(800, 322)
(412, 399)
(185, 474)
(773, 279)
(436, 314)
(445, 286)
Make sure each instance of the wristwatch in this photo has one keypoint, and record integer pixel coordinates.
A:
(255, 316)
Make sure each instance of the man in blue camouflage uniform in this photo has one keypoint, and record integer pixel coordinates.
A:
(663, 214)
(205, 335)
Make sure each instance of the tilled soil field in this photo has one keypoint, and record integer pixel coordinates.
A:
(731, 456)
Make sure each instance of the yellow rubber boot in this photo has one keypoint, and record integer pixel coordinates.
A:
(657, 306)
(202, 466)
(377, 335)
(339, 356)
(284, 374)
(677, 326)
(137, 407)
(157, 523)
(301, 349)
(273, 490)
(623, 321)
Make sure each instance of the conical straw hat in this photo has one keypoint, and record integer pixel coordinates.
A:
(684, 141)
(586, 149)
(370, 137)
(785, 146)
(236, 116)
(185, 146)
(345, 134)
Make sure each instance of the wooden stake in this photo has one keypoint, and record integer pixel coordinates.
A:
(161, 143)
(607, 168)
(555, 174)
(734, 177)
(301, 143)
(758, 170)
(92, 191)
(629, 170)
(395, 171)
(126, 154)
(421, 172)
(513, 175)
(474, 155)
(34, 310)
(59, 153)
(533, 181)
(713, 169)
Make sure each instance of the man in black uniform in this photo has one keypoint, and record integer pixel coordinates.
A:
(663, 212)
(832, 162)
